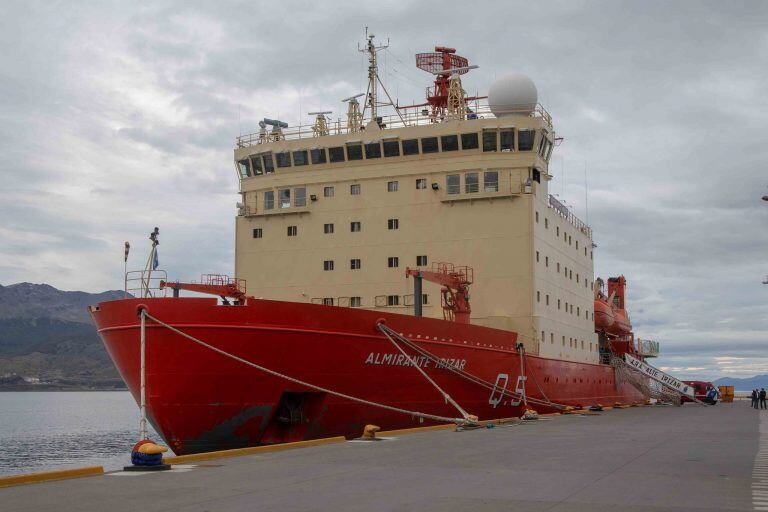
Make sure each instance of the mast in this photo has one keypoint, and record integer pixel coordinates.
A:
(374, 81)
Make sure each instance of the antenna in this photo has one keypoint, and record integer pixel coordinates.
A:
(354, 116)
(277, 128)
(373, 78)
(321, 123)
(448, 99)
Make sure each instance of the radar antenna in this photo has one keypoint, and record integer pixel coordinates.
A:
(321, 123)
(354, 116)
(374, 81)
(277, 129)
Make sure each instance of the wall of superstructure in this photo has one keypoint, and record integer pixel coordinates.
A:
(342, 233)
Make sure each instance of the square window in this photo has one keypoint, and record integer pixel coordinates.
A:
(354, 264)
(429, 145)
(354, 151)
(293, 230)
(257, 233)
(283, 159)
(372, 150)
(269, 200)
(328, 301)
(318, 156)
(266, 158)
(393, 224)
(453, 184)
(328, 265)
(525, 139)
(393, 300)
(354, 226)
(471, 183)
(393, 262)
(284, 198)
(507, 139)
(300, 196)
(421, 183)
(489, 140)
(328, 229)
(491, 181)
(421, 261)
(411, 147)
(391, 148)
(355, 302)
(392, 186)
(300, 157)
(328, 191)
(449, 142)
(336, 154)
(354, 189)
(469, 141)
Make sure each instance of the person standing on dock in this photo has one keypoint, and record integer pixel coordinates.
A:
(754, 398)
(762, 399)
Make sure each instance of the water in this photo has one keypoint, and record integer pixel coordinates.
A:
(41, 431)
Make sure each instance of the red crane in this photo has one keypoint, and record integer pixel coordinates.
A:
(455, 283)
(211, 284)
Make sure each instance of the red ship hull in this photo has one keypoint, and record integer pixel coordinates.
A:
(199, 400)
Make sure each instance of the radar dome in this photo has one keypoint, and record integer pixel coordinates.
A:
(512, 94)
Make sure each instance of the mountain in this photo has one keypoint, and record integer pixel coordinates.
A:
(745, 384)
(47, 340)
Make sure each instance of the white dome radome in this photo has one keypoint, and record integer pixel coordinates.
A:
(512, 94)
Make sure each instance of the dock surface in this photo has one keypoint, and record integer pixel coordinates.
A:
(688, 458)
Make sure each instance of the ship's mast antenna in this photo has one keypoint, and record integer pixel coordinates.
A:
(373, 78)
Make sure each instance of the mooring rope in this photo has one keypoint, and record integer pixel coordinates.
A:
(458, 421)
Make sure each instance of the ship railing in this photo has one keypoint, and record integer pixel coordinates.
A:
(406, 118)
(568, 215)
(145, 283)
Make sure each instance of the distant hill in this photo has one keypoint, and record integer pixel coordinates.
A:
(47, 340)
(745, 384)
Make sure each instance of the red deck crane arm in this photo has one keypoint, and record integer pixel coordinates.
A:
(222, 290)
(455, 291)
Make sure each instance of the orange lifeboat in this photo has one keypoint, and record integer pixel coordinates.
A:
(604, 317)
(610, 315)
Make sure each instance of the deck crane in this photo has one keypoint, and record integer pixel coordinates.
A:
(454, 293)
(212, 284)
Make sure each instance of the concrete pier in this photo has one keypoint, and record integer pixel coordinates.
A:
(688, 458)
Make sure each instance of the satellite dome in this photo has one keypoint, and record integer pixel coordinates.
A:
(512, 94)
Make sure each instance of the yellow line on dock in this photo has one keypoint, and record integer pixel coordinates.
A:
(254, 450)
(48, 476)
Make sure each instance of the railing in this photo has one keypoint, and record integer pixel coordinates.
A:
(145, 283)
(405, 119)
(648, 348)
(568, 215)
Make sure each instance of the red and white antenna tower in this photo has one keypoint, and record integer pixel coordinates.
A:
(447, 67)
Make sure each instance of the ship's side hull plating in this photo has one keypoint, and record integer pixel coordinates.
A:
(200, 400)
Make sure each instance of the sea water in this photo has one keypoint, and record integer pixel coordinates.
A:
(42, 431)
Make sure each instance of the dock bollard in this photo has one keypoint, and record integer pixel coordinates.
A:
(147, 456)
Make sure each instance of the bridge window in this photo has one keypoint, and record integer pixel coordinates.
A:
(453, 184)
(391, 148)
(469, 141)
(449, 142)
(269, 200)
(489, 140)
(525, 139)
(318, 156)
(256, 166)
(284, 198)
(373, 150)
(471, 184)
(244, 168)
(283, 159)
(269, 166)
(354, 151)
(411, 147)
(491, 181)
(336, 154)
(354, 264)
(429, 145)
(300, 157)
(507, 139)
(300, 196)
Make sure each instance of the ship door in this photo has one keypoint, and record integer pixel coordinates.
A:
(502, 380)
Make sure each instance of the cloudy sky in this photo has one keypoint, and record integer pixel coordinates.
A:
(116, 117)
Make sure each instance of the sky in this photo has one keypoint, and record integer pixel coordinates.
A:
(116, 117)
